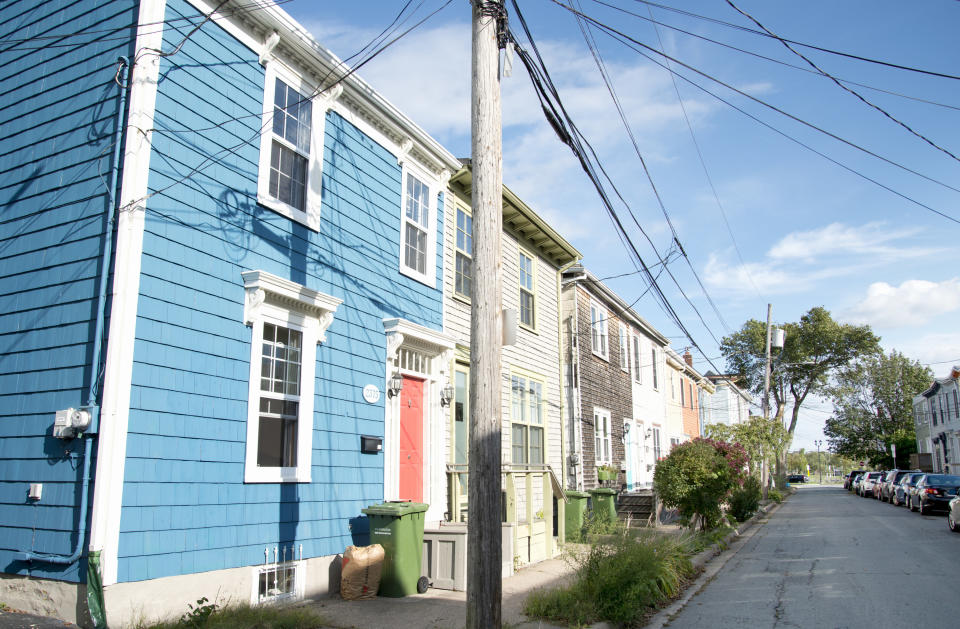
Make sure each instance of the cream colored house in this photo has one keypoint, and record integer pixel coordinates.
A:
(532, 438)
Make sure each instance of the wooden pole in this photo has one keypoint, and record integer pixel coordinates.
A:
(764, 466)
(484, 586)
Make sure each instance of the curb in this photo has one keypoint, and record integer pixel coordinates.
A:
(738, 537)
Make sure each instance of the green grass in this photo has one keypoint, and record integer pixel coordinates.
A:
(619, 578)
(246, 617)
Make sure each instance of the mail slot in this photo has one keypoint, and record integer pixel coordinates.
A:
(370, 445)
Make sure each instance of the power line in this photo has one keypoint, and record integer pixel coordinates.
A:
(591, 44)
(567, 131)
(844, 87)
(759, 101)
(770, 59)
(797, 43)
(629, 41)
(703, 164)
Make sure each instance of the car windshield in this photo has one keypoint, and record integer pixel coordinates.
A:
(943, 479)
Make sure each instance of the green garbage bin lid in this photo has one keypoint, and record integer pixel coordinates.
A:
(573, 493)
(397, 509)
(603, 490)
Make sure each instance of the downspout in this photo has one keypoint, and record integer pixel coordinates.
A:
(98, 335)
(563, 432)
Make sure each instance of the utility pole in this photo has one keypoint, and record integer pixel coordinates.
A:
(484, 585)
(764, 466)
(819, 442)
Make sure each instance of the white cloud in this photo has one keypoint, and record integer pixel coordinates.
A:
(838, 238)
(914, 302)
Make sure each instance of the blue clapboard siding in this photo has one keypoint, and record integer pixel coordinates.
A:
(57, 117)
(186, 508)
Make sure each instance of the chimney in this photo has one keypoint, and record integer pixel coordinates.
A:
(688, 357)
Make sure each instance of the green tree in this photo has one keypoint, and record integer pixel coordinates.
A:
(697, 476)
(815, 348)
(760, 438)
(873, 408)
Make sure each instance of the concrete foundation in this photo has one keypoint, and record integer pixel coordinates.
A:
(129, 604)
(46, 597)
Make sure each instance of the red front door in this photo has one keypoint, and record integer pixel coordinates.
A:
(411, 440)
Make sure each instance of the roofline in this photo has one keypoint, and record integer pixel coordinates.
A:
(266, 15)
(562, 252)
(579, 274)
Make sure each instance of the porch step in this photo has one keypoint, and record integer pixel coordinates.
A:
(636, 507)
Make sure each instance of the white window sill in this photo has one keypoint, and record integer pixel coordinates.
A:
(311, 221)
(423, 278)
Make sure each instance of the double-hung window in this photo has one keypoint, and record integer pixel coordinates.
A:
(601, 436)
(657, 453)
(527, 290)
(463, 280)
(291, 148)
(416, 223)
(636, 359)
(527, 418)
(653, 362)
(598, 330)
(288, 322)
(624, 349)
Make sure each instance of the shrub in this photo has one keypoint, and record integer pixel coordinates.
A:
(775, 495)
(745, 500)
(618, 580)
(696, 477)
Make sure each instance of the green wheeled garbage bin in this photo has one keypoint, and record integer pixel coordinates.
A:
(576, 509)
(604, 503)
(398, 527)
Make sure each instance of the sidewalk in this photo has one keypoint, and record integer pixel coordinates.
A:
(443, 609)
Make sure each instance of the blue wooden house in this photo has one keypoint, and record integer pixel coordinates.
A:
(221, 287)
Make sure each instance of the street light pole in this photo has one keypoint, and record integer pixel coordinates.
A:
(819, 442)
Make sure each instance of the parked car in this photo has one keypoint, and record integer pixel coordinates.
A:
(855, 478)
(890, 481)
(953, 515)
(796, 478)
(875, 490)
(849, 478)
(934, 492)
(903, 489)
(867, 482)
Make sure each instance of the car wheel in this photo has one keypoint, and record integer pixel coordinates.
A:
(894, 501)
(952, 523)
(912, 508)
(920, 508)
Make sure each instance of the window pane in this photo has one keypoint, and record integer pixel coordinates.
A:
(536, 445)
(536, 403)
(464, 275)
(415, 248)
(288, 175)
(526, 308)
(417, 204)
(519, 443)
(292, 116)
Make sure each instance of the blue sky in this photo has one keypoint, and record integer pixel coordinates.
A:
(806, 232)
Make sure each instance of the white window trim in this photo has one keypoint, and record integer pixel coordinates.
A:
(321, 103)
(275, 300)
(457, 208)
(624, 348)
(533, 291)
(528, 378)
(408, 166)
(606, 444)
(637, 358)
(602, 321)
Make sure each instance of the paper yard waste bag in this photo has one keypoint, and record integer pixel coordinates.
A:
(360, 572)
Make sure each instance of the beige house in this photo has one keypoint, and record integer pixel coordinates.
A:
(533, 255)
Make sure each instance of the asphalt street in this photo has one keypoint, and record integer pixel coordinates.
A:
(828, 558)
